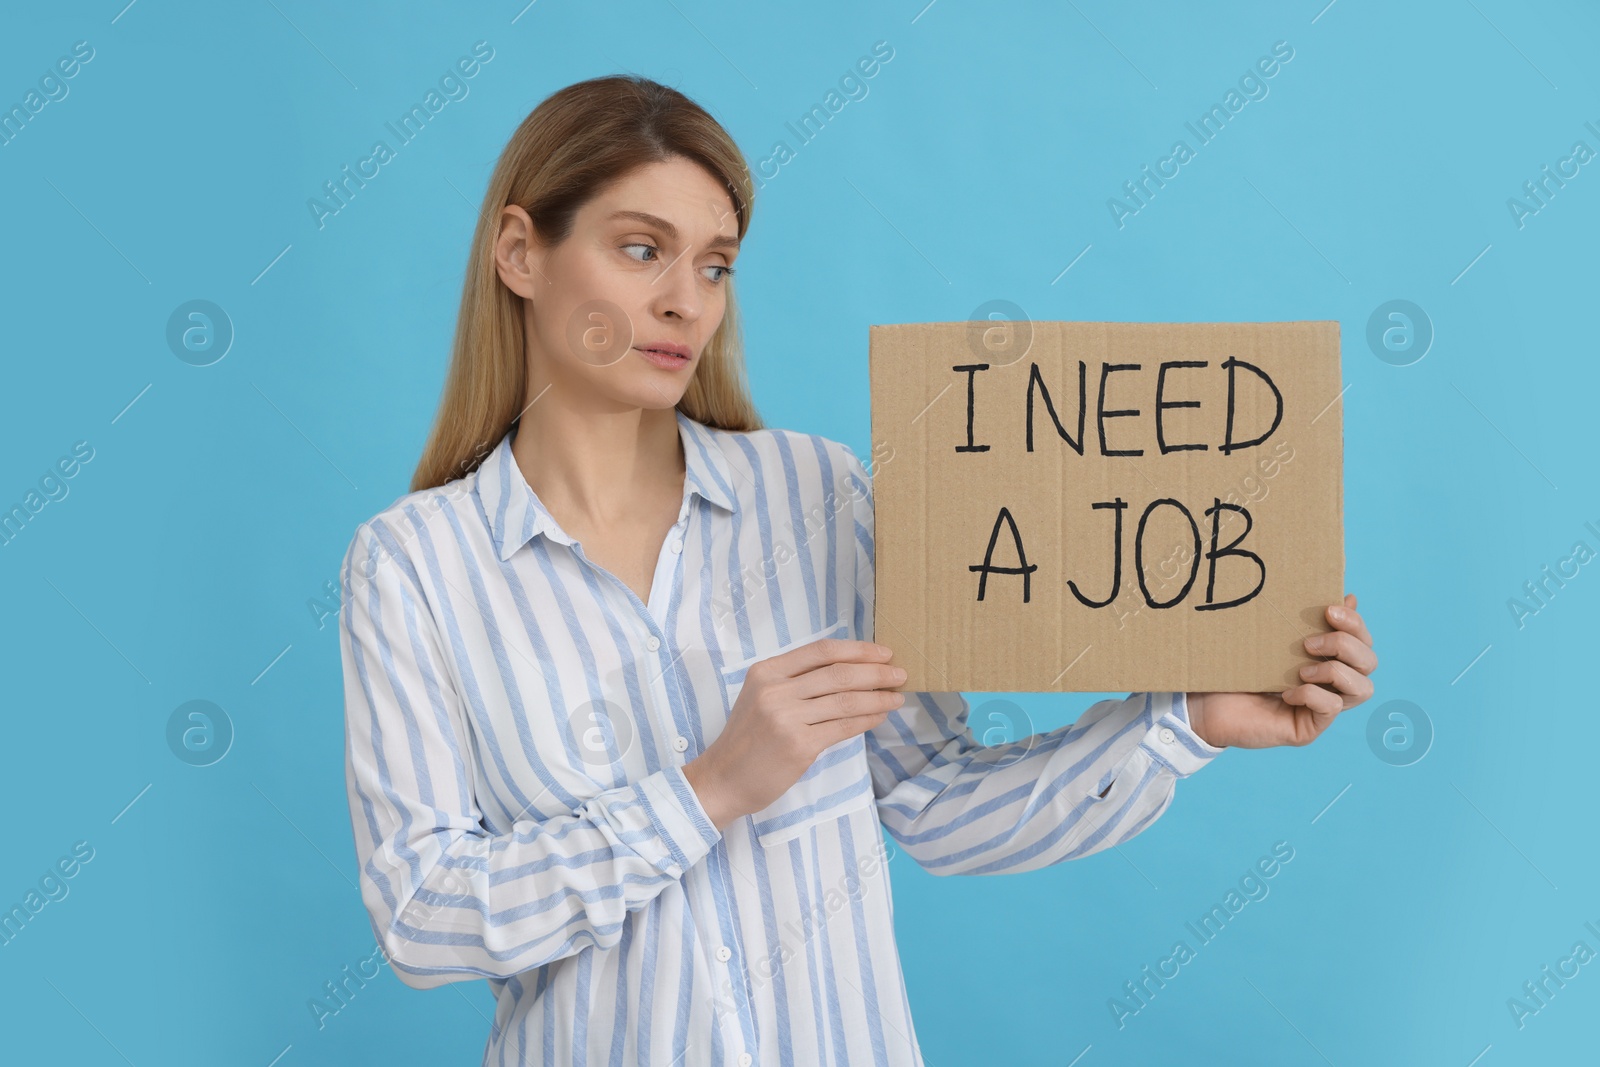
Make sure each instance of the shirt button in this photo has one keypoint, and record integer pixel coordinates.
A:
(745, 1059)
(680, 743)
(724, 954)
(1167, 735)
(652, 642)
(677, 544)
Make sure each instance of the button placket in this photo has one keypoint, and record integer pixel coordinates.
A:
(675, 535)
(674, 544)
(666, 569)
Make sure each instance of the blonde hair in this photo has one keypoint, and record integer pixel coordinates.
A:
(579, 140)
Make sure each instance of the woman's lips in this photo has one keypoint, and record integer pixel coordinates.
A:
(666, 360)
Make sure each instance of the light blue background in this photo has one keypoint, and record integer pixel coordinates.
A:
(218, 504)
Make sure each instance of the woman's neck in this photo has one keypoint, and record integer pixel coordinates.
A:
(593, 468)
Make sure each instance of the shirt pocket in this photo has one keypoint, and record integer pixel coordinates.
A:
(838, 780)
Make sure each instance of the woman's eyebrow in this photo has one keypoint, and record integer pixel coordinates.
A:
(719, 241)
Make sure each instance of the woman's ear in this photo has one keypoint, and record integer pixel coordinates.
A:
(518, 255)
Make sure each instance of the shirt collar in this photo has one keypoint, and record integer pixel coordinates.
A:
(516, 515)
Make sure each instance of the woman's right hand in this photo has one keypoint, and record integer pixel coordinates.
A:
(790, 708)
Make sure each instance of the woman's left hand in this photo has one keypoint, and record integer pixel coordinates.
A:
(1298, 716)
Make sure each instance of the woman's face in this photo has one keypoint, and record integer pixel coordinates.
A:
(645, 267)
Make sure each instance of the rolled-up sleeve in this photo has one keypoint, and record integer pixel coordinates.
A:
(449, 900)
(961, 807)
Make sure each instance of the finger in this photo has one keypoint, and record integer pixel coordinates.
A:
(858, 704)
(1314, 698)
(1354, 687)
(1350, 621)
(1345, 647)
(832, 731)
(845, 676)
(1350, 601)
(829, 650)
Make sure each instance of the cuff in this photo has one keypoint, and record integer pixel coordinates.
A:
(678, 817)
(1171, 741)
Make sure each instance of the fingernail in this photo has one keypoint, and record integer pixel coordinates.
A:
(1338, 614)
(1305, 672)
(1314, 644)
(899, 674)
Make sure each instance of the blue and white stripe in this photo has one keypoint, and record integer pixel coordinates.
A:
(517, 720)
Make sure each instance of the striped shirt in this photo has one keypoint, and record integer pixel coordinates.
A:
(517, 721)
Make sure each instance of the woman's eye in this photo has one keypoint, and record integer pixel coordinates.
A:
(654, 257)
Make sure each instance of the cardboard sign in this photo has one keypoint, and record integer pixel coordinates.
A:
(1092, 506)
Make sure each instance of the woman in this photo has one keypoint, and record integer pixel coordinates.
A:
(618, 740)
